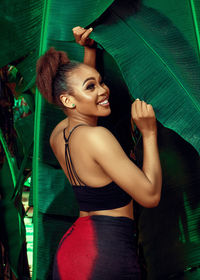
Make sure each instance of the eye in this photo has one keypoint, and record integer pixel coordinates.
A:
(90, 86)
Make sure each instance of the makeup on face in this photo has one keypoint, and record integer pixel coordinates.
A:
(91, 83)
(92, 94)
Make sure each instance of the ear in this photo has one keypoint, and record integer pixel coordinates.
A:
(67, 100)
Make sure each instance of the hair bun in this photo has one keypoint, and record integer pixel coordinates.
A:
(46, 69)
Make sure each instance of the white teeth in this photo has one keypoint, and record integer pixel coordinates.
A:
(104, 102)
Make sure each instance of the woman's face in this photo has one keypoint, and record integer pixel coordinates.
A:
(90, 93)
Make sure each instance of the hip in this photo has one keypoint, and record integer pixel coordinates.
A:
(99, 247)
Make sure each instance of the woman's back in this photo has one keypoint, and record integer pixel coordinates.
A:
(81, 155)
(98, 194)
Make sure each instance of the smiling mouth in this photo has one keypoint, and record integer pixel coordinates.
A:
(104, 102)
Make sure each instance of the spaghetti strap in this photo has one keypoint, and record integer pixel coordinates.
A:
(73, 176)
(67, 139)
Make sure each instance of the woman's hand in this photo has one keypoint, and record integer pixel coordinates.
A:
(144, 118)
(81, 36)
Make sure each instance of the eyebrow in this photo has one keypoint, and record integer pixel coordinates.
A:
(90, 78)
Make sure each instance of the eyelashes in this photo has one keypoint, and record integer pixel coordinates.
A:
(93, 85)
(90, 86)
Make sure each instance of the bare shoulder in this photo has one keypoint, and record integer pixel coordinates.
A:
(57, 132)
(97, 133)
(100, 138)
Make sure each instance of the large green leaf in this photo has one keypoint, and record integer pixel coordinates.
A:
(74, 13)
(20, 29)
(11, 220)
(169, 234)
(185, 16)
(113, 32)
(22, 21)
(158, 64)
(156, 53)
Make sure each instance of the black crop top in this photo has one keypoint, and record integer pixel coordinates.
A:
(89, 198)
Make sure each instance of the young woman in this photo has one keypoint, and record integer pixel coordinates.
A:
(101, 243)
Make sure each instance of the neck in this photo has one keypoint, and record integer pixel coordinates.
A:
(75, 120)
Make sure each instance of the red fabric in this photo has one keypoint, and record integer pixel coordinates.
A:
(77, 253)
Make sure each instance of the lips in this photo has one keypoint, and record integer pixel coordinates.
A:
(103, 101)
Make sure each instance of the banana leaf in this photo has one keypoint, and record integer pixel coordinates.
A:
(158, 65)
(115, 21)
(25, 132)
(11, 219)
(164, 36)
(170, 59)
(185, 16)
(169, 234)
(12, 212)
(20, 23)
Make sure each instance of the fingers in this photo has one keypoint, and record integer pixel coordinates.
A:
(144, 118)
(82, 35)
(140, 109)
(134, 110)
(78, 32)
(87, 33)
(150, 110)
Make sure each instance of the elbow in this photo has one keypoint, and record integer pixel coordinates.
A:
(152, 201)
(153, 197)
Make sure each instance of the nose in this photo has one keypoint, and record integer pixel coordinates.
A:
(103, 90)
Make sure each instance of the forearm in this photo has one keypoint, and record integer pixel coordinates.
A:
(90, 56)
(151, 163)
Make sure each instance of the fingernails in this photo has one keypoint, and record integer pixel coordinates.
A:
(137, 99)
(91, 28)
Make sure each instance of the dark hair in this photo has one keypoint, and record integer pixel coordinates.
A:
(51, 74)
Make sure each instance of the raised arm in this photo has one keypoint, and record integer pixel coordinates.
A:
(81, 36)
(144, 117)
(143, 185)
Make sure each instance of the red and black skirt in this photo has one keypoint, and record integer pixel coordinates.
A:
(98, 248)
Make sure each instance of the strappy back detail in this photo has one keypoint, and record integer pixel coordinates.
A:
(90, 198)
(73, 176)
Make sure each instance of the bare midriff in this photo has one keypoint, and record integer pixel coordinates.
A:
(125, 211)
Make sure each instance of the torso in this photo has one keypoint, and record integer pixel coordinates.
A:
(126, 211)
(81, 158)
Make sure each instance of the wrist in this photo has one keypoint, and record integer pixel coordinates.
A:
(91, 47)
(149, 134)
